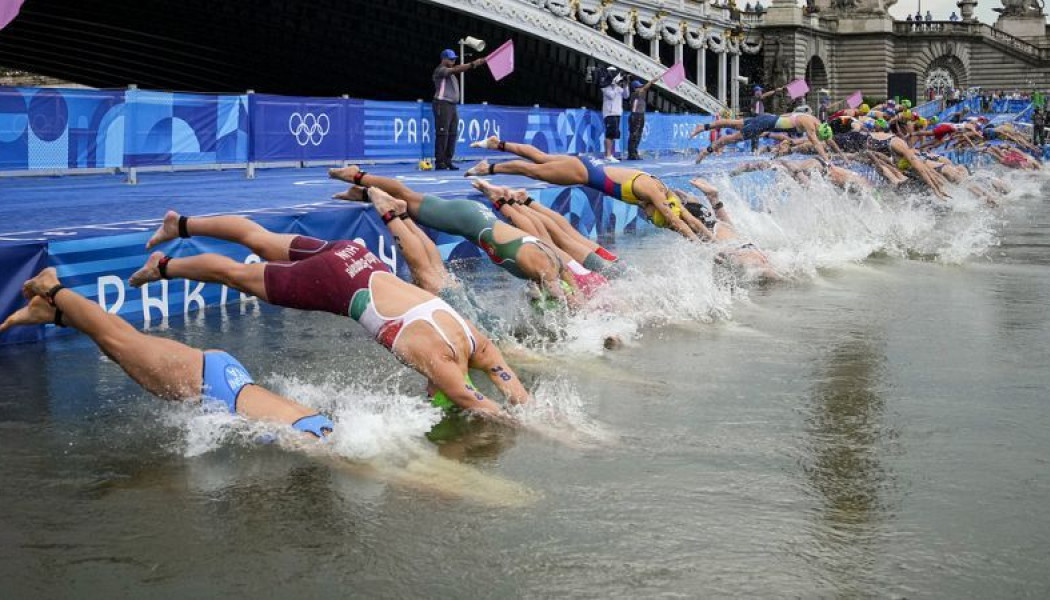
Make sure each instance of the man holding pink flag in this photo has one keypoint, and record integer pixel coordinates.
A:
(446, 97)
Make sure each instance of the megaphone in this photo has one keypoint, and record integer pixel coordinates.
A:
(473, 43)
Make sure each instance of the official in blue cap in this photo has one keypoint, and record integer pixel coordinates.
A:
(446, 97)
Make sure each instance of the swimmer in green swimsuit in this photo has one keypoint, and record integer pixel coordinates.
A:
(520, 254)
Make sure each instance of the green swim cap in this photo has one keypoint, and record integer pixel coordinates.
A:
(542, 301)
(934, 120)
(906, 103)
(824, 131)
(442, 401)
(881, 124)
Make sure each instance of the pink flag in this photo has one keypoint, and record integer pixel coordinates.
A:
(855, 100)
(501, 61)
(674, 76)
(797, 88)
(8, 11)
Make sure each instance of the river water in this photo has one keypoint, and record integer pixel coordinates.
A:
(875, 426)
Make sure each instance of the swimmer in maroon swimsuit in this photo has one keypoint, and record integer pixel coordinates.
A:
(344, 278)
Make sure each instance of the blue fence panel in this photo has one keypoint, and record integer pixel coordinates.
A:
(290, 128)
(165, 129)
(60, 129)
(479, 121)
(665, 132)
(398, 130)
(19, 262)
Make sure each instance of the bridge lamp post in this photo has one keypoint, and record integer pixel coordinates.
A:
(477, 46)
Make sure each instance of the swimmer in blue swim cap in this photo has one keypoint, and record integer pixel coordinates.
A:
(164, 367)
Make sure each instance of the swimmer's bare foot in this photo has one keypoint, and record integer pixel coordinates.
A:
(352, 194)
(492, 191)
(167, 231)
(149, 271)
(489, 143)
(40, 285)
(482, 168)
(385, 203)
(700, 157)
(38, 312)
(344, 173)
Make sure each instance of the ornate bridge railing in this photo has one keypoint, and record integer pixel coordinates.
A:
(970, 29)
(584, 25)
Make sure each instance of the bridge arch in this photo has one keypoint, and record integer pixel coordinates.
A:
(944, 73)
(817, 77)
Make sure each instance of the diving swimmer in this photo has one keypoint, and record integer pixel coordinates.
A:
(163, 367)
(344, 278)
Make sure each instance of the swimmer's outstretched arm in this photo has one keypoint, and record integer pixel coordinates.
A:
(165, 368)
(711, 192)
(488, 358)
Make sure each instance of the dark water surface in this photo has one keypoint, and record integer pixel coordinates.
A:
(881, 430)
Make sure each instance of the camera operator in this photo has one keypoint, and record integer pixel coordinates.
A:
(614, 92)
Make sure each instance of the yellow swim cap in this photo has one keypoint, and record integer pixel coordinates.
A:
(864, 109)
(903, 164)
(676, 210)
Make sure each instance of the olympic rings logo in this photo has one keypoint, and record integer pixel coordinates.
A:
(309, 128)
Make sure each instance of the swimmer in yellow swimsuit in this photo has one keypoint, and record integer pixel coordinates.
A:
(632, 186)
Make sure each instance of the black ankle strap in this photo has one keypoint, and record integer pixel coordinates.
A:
(162, 267)
(51, 293)
(502, 146)
(58, 318)
(492, 169)
(183, 231)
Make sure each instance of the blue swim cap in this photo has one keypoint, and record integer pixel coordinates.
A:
(449, 53)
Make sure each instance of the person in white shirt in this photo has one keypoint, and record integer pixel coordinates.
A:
(613, 96)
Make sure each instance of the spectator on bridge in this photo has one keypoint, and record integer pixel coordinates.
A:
(446, 97)
(613, 96)
(953, 17)
(929, 16)
(636, 122)
(909, 19)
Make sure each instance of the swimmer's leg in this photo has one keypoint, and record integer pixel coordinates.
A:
(354, 175)
(267, 244)
(525, 222)
(426, 273)
(209, 268)
(530, 152)
(165, 368)
(562, 172)
(572, 243)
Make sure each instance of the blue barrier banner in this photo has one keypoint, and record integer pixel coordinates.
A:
(60, 129)
(398, 130)
(19, 262)
(290, 128)
(665, 132)
(70, 129)
(184, 129)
